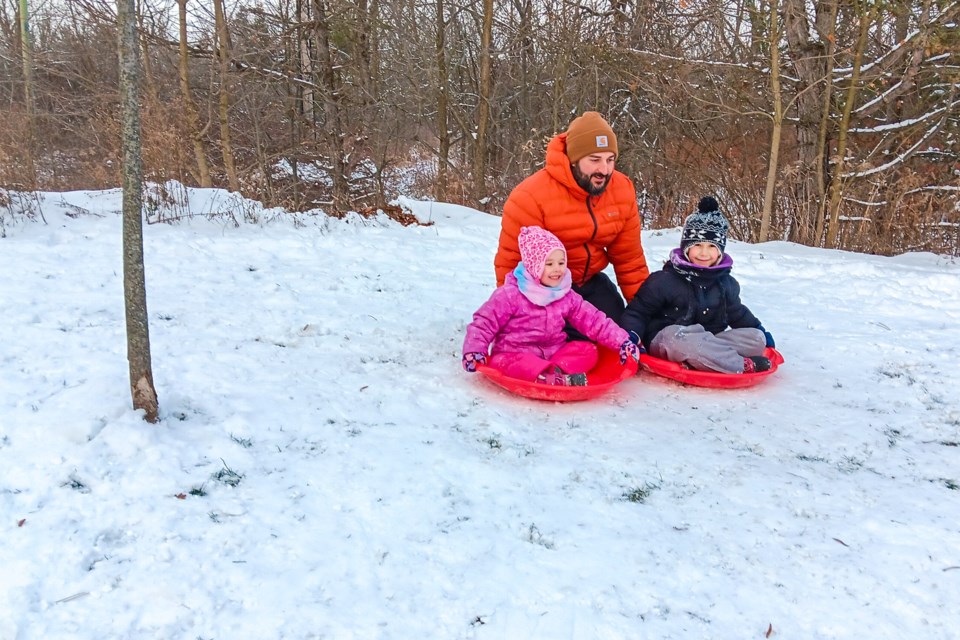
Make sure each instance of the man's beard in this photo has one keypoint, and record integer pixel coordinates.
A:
(585, 181)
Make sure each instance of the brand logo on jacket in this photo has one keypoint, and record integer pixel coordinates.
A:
(613, 214)
(602, 142)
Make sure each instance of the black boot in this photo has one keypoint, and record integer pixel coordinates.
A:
(756, 364)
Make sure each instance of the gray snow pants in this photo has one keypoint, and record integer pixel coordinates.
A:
(700, 349)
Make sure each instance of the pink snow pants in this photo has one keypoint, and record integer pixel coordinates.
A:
(573, 357)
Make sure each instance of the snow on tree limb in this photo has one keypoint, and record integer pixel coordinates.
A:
(883, 128)
(903, 157)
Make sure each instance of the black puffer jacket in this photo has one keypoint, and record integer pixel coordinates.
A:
(685, 294)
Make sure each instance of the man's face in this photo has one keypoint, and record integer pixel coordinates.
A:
(593, 172)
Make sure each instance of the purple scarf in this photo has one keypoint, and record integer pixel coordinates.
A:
(691, 271)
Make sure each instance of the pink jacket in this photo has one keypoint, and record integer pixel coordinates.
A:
(514, 324)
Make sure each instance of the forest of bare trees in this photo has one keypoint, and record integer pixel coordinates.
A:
(825, 122)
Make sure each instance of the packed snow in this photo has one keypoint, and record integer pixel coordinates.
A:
(324, 468)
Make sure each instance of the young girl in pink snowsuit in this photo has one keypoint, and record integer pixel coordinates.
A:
(519, 330)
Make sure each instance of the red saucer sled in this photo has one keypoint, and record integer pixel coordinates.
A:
(608, 373)
(712, 379)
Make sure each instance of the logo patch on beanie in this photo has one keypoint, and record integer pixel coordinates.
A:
(602, 142)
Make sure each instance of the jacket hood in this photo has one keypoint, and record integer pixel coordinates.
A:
(558, 166)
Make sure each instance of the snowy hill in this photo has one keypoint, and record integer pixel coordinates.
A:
(325, 469)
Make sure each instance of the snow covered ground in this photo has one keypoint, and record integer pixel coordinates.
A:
(325, 469)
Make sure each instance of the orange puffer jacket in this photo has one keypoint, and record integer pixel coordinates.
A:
(597, 231)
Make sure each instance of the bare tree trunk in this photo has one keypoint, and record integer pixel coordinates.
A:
(563, 61)
(528, 58)
(26, 48)
(306, 61)
(836, 186)
(807, 52)
(190, 109)
(292, 52)
(772, 166)
(366, 75)
(483, 107)
(758, 31)
(223, 56)
(153, 95)
(822, 153)
(902, 11)
(331, 103)
(443, 128)
(142, 389)
(620, 22)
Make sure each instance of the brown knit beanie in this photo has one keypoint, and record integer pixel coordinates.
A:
(588, 134)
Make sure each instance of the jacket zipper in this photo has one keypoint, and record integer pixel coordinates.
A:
(586, 245)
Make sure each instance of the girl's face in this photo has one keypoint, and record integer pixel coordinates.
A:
(703, 254)
(553, 269)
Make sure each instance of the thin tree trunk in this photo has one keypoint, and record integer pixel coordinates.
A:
(293, 49)
(822, 153)
(26, 49)
(331, 103)
(528, 61)
(559, 116)
(223, 56)
(190, 109)
(836, 186)
(367, 81)
(483, 108)
(807, 52)
(443, 128)
(772, 166)
(620, 23)
(758, 30)
(153, 95)
(142, 389)
(373, 47)
(306, 61)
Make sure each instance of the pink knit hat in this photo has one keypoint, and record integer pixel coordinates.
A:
(535, 245)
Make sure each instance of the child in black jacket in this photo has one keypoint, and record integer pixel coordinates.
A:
(690, 311)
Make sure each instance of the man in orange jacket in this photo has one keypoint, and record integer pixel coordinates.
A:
(592, 208)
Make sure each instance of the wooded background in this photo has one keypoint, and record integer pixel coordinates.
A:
(827, 123)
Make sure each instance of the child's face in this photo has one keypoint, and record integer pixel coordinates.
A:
(553, 269)
(703, 254)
